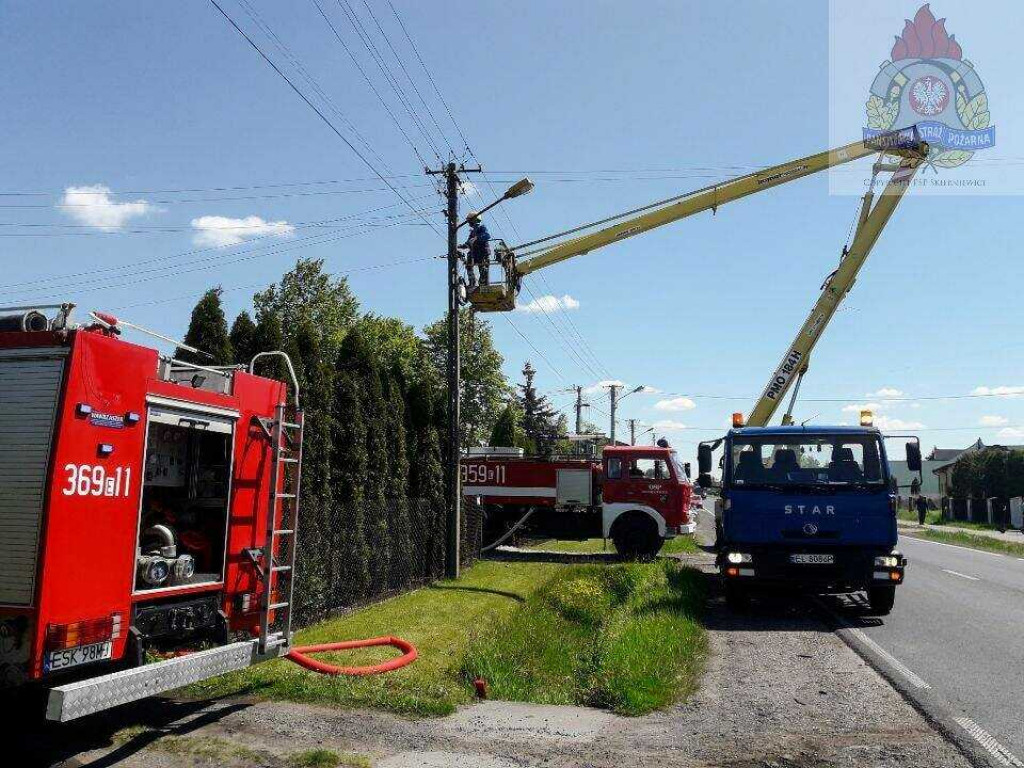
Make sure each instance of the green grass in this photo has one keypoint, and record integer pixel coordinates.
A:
(975, 542)
(325, 758)
(678, 545)
(934, 517)
(438, 620)
(626, 638)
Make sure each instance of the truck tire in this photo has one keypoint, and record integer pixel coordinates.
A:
(636, 537)
(881, 599)
(737, 596)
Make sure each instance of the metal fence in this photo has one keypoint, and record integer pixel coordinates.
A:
(351, 556)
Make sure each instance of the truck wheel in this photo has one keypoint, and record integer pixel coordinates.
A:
(737, 596)
(636, 537)
(881, 599)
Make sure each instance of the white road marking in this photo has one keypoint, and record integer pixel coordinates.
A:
(961, 575)
(1001, 754)
(896, 664)
(957, 546)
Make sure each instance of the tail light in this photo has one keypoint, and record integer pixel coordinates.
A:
(87, 632)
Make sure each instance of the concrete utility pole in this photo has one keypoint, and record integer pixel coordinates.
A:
(632, 431)
(614, 390)
(580, 405)
(454, 481)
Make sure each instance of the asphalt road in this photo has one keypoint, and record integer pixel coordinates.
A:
(957, 630)
(958, 625)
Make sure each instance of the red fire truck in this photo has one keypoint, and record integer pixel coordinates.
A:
(145, 504)
(638, 496)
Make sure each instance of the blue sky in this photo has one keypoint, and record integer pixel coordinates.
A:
(606, 105)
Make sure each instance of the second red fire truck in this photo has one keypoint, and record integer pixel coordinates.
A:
(638, 496)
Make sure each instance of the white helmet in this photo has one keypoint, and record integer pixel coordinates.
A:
(472, 216)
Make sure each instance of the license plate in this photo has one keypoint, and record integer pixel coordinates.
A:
(83, 654)
(806, 559)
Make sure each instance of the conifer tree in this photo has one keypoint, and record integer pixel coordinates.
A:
(208, 331)
(243, 338)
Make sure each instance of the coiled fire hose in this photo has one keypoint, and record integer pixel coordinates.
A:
(300, 657)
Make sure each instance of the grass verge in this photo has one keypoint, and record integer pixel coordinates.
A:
(626, 638)
(678, 545)
(974, 542)
(437, 619)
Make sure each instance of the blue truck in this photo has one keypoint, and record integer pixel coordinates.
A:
(807, 507)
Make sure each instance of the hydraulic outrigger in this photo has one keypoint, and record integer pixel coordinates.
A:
(907, 151)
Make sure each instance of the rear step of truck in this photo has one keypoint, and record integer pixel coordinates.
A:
(74, 700)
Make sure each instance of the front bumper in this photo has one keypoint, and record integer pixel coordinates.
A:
(850, 570)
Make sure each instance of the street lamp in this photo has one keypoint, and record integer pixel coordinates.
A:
(522, 187)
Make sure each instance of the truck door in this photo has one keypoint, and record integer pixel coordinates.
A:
(648, 481)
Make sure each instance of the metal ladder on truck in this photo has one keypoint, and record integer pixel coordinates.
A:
(280, 547)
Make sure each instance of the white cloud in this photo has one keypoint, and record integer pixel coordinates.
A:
(223, 230)
(1011, 433)
(549, 303)
(1005, 391)
(858, 407)
(890, 424)
(668, 425)
(602, 386)
(94, 207)
(886, 392)
(675, 404)
(993, 421)
(648, 390)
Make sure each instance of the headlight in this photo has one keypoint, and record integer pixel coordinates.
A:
(738, 557)
(887, 561)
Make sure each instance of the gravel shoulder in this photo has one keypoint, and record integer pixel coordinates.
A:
(780, 691)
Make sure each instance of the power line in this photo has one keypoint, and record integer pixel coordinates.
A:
(389, 77)
(543, 357)
(320, 114)
(408, 76)
(430, 77)
(126, 267)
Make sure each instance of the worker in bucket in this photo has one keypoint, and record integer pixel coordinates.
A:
(479, 246)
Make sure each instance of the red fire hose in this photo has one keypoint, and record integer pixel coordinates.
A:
(300, 657)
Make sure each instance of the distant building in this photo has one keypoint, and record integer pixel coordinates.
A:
(945, 459)
(904, 477)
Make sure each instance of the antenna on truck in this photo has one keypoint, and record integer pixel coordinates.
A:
(113, 323)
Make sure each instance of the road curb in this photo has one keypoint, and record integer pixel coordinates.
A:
(929, 704)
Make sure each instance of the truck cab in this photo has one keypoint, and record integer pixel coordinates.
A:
(646, 495)
(811, 507)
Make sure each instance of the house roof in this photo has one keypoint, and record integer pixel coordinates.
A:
(943, 454)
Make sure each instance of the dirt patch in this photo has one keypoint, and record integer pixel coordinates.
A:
(780, 691)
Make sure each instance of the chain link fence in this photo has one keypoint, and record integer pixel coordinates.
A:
(362, 555)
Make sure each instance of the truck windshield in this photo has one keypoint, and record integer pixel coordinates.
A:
(821, 460)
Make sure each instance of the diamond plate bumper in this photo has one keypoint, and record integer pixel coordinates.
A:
(86, 697)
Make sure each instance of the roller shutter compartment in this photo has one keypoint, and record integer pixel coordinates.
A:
(30, 386)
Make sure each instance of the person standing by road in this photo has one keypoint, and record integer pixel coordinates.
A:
(922, 509)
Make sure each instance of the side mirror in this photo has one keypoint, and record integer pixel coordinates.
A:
(686, 470)
(914, 457)
(704, 459)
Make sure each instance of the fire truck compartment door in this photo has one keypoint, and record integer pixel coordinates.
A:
(574, 487)
(180, 417)
(30, 386)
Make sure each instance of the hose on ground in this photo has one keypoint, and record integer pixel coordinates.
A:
(300, 656)
(509, 532)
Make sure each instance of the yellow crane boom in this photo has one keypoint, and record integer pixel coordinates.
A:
(905, 145)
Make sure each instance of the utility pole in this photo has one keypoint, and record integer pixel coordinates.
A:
(451, 173)
(632, 431)
(580, 405)
(614, 390)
